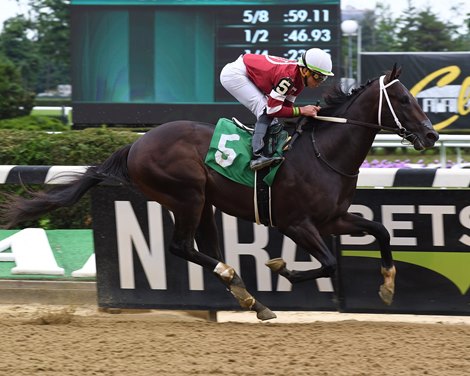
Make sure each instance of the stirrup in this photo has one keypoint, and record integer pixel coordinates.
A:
(262, 162)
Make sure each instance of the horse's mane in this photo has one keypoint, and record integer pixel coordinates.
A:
(335, 97)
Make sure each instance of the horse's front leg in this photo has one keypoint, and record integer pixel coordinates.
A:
(355, 224)
(306, 235)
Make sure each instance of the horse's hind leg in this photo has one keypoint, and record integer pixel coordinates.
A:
(207, 238)
(210, 256)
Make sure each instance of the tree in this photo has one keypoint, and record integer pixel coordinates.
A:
(17, 47)
(462, 39)
(52, 27)
(14, 99)
(379, 30)
(39, 44)
(414, 30)
(423, 31)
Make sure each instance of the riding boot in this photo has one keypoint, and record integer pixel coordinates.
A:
(260, 160)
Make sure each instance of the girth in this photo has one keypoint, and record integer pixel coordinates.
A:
(262, 199)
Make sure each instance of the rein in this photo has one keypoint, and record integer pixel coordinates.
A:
(333, 119)
(319, 156)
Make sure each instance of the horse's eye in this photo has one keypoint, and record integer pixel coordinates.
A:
(405, 99)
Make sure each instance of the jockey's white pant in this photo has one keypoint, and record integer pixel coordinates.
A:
(235, 80)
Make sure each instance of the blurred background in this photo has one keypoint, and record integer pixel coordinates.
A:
(131, 65)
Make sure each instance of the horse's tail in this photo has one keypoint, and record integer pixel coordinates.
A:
(17, 209)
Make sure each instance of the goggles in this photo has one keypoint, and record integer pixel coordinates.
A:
(318, 76)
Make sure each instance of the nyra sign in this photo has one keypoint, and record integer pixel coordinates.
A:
(134, 270)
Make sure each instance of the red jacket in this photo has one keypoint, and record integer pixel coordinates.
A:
(278, 78)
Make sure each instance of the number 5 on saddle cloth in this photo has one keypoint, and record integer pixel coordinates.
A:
(230, 154)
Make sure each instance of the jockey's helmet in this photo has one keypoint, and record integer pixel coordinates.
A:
(317, 61)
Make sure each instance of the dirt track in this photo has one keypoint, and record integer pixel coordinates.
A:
(46, 340)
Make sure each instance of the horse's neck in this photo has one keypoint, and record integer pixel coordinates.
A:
(347, 145)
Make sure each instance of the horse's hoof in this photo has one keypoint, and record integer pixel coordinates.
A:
(386, 294)
(262, 312)
(266, 314)
(276, 264)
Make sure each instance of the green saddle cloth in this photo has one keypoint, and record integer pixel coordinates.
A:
(230, 153)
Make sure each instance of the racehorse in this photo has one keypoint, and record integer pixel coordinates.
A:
(167, 166)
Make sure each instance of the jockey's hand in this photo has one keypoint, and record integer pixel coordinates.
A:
(309, 110)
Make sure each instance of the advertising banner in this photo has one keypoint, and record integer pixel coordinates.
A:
(430, 238)
(430, 242)
(440, 81)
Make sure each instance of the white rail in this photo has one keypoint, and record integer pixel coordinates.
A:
(445, 141)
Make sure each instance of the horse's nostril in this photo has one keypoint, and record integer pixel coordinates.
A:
(432, 136)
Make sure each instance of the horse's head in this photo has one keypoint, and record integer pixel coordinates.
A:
(398, 108)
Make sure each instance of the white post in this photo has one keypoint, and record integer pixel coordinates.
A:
(359, 50)
(349, 29)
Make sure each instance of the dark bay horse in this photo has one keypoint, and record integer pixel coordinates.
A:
(310, 196)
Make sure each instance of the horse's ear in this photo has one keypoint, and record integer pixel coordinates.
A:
(396, 71)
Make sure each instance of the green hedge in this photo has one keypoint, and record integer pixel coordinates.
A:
(35, 123)
(73, 148)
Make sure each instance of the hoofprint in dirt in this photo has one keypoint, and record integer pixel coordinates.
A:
(67, 340)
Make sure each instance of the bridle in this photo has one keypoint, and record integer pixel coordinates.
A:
(400, 130)
(406, 135)
(383, 93)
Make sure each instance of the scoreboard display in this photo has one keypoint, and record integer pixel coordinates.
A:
(148, 61)
(285, 31)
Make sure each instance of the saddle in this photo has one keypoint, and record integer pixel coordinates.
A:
(275, 136)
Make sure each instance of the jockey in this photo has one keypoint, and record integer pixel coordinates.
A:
(268, 86)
